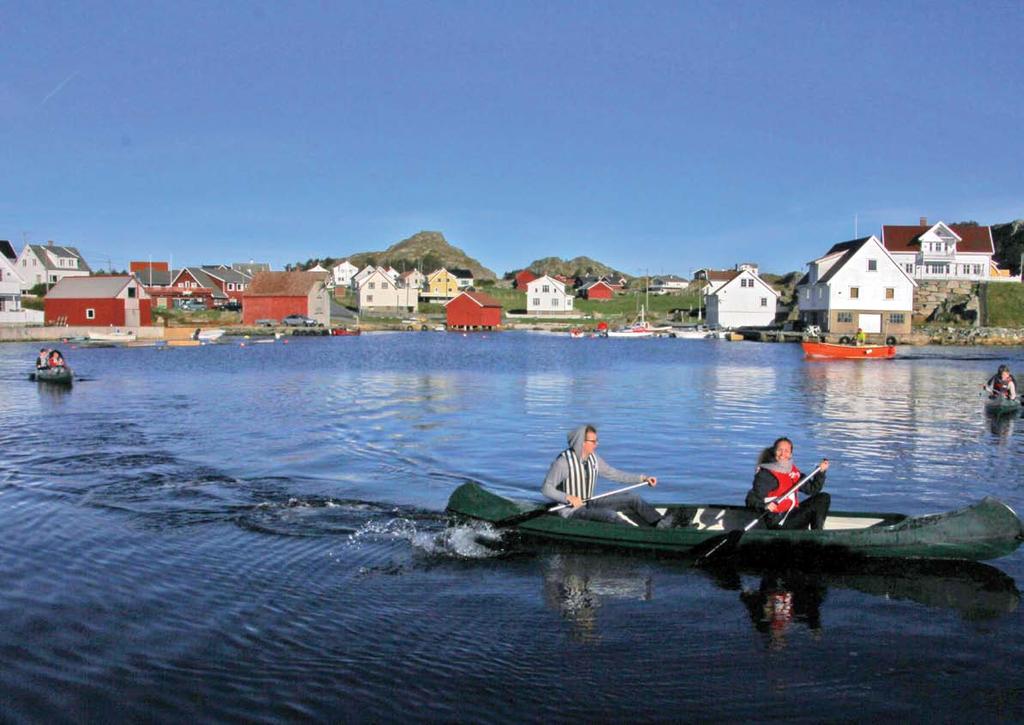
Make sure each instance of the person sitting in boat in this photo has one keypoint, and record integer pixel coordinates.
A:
(861, 338)
(572, 478)
(776, 475)
(1002, 384)
(43, 361)
(56, 359)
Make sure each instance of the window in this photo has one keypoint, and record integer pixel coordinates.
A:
(231, 286)
(372, 285)
(872, 265)
(764, 302)
(909, 266)
(554, 302)
(854, 293)
(896, 318)
(545, 288)
(131, 293)
(369, 298)
(844, 317)
(890, 293)
(977, 269)
(536, 301)
(90, 313)
(384, 285)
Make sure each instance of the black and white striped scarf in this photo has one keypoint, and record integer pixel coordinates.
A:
(582, 475)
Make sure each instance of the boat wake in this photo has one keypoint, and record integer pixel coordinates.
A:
(464, 541)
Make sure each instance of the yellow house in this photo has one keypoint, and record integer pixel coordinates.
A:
(442, 283)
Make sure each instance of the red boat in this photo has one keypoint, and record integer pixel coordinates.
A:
(848, 352)
(342, 331)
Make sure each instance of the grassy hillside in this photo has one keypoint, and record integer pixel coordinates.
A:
(1004, 304)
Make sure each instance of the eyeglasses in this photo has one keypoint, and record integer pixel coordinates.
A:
(591, 440)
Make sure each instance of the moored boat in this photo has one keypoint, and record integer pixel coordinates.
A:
(62, 375)
(344, 332)
(1002, 405)
(987, 530)
(211, 334)
(828, 350)
(640, 328)
(115, 336)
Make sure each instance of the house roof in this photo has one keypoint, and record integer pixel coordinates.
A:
(908, 239)
(765, 284)
(847, 249)
(484, 300)
(204, 279)
(41, 250)
(595, 283)
(155, 277)
(75, 288)
(226, 273)
(251, 268)
(715, 275)
(461, 273)
(283, 284)
(7, 250)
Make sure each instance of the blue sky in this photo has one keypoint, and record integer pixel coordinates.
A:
(648, 135)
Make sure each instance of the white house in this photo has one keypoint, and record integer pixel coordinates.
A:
(941, 251)
(10, 286)
(857, 284)
(745, 300)
(463, 278)
(668, 284)
(546, 296)
(362, 274)
(412, 278)
(343, 272)
(378, 292)
(49, 263)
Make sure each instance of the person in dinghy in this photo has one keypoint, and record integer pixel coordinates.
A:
(1002, 384)
(775, 475)
(572, 480)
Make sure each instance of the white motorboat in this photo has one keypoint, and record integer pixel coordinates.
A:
(209, 335)
(693, 332)
(114, 336)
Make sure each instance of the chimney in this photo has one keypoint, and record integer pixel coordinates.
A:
(924, 221)
(49, 243)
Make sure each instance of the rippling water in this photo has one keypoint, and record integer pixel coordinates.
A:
(256, 532)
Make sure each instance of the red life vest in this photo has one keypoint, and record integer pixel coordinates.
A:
(786, 482)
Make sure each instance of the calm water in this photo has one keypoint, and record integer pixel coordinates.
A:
(257, 533)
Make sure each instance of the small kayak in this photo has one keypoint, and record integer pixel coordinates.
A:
(1002, 405)
(57, 376)
(848, 352)
(987, 530)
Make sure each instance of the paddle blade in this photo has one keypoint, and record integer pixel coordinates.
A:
(525, 516)
(717, 546)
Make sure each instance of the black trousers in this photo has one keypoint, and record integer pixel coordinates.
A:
(810, 513)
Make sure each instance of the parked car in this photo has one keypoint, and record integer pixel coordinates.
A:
(299, 321)
(266, 323)
(191, 305)
(233, 306)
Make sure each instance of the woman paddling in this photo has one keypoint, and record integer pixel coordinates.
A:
(776, 475)
(1002, 384)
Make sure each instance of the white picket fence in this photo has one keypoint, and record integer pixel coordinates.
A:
(21, 317)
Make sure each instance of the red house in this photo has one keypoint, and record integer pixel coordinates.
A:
(275, 295)
(523, 278)
(599, 290)
(473, 310)
(109, 300)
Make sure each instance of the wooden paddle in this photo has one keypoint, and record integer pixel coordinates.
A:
(704, 551)
(526, 516)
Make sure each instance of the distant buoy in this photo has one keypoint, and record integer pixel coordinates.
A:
(241, 344)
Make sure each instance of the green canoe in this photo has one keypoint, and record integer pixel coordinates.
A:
(987, 530)
(58, 376)
(1002, 406)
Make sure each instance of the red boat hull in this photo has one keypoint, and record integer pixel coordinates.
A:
(848, 352)
(337, 331)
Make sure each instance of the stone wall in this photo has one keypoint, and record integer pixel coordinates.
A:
(945, 299)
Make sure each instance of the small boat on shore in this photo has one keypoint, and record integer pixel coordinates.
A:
(827, 350)
(344, 332)
(211, 334)
(58, 376)
(1002, 406)
(640, 328)
(987, 530)
(115, 336)
(692, 332)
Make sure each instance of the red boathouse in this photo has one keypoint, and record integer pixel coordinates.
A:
(471, 310)
(101, 301)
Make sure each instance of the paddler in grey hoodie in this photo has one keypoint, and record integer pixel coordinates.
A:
(572, 480)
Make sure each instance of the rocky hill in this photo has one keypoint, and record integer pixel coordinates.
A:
(426, 251)
(577, 266)
(1009, 241)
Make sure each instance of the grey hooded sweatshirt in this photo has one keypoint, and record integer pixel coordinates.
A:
(559, 471)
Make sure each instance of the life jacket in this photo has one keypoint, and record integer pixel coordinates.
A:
(582, 475)
(1001, 387)
(786, 482)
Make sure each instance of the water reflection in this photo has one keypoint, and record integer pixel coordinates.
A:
(576, 584)
(1001, 426)
(780, 600)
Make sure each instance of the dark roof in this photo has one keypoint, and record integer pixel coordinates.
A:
(61, 251)
(205, 280)
(226, 273)
(7, 250)
(847, 249)
(150, 276)
(283, 284)
(908, 239)
(102, 286)
(461, 273)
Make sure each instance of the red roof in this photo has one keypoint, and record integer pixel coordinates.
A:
(480, 298)
(906, 239)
